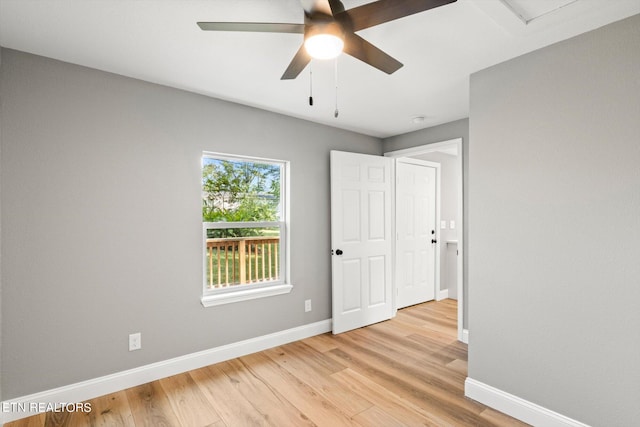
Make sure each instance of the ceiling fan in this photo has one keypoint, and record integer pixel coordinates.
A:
(329, 29)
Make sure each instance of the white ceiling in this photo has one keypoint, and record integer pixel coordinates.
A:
(159, 41)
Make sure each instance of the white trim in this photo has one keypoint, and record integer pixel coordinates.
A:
(244, 295)
(465, 336)
(233, 157)
(394, 241)
(429, 148)
(423, 149)
(516, 407)
(107, 384)
(442, 294)
(241, 224)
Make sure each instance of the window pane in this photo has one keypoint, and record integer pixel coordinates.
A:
(240, 191)
(238, 256)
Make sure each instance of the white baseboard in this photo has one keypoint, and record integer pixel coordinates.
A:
(90, 389)
(516, 407)
(465, 336)
(442, 294)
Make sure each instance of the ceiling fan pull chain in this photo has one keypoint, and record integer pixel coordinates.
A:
(310, 86)
(335, 113)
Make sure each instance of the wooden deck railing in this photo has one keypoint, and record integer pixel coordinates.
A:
(240, 260)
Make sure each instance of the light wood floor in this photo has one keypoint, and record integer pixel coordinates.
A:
(408, 371)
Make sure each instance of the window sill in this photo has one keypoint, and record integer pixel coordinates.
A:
(244, 295)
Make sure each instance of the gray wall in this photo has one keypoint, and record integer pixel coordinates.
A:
(101, 221)
(554, 226)
(444, 132)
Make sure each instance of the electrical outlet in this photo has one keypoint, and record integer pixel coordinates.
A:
(135, 341)
(307, 305)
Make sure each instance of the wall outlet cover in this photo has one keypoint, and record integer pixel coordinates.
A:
(135, 341)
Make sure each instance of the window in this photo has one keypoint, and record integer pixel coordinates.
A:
(244, 217)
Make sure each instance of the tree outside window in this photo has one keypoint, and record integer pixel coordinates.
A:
(239, 191)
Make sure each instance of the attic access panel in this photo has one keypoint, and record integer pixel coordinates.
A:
(528, 10)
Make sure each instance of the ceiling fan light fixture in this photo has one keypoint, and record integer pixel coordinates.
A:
(325, 41)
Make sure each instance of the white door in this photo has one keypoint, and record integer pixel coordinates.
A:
(361, 239)
(416, 233)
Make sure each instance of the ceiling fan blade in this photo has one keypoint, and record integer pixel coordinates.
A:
(382, 11)
(262, 27)
(336, 7)
(358, 47)
(297, 64)
(312, 7)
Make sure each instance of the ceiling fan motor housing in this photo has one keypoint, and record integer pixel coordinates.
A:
(331, 27)
(324, 40)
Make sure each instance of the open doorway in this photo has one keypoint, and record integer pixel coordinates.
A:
(450, 224)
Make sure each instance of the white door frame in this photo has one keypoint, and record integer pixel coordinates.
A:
(463, 335)
(437, 255)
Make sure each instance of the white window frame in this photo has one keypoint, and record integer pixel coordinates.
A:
(238, 293)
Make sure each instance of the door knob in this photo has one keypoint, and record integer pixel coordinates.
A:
(339, 252)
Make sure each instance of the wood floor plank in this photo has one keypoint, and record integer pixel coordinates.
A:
(421, 314)
(423, 349)
(267, 400)
(450, 350)
(319, 362)
(402, 327)
(314, 369)
(188, 402)
(445, 328)
(321, 343)
(57, 419)
(459, 366)
(227, 401)
(375, 416)
(66, 419)
(150, 406)
(33, 421)
(112, 410)
(321, 411)
(382, 397)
